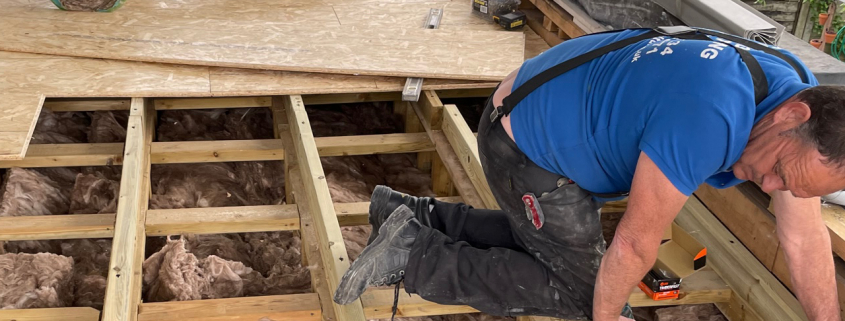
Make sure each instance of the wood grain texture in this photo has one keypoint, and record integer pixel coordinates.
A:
(466, 147)
(62, 155)
(124, 265)
(346, 50)
(332, 249)
(17, 121)
(102, 154)
(291, 307)
(212, 220)
(311, 246)
(51, 314)
(749, 279)
(25, 77)
(756, 228)
(81, 77)
(702, 287)
(56, 227)
(834, 217)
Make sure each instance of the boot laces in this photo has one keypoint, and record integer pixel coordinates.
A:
(395, 300)
(396, 293)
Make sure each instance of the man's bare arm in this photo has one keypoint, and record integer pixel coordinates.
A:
(806, 244)
(652, 205)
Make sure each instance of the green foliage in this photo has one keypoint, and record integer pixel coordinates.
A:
(821, 6)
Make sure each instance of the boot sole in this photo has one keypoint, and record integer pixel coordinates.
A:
(354, 281)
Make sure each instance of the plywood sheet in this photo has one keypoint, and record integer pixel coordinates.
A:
(347, 50)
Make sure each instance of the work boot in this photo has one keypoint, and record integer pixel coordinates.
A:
(385, 201)
(384, 261)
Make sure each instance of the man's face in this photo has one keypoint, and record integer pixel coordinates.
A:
(789, 164)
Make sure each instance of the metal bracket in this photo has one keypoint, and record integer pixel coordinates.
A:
(413, 86)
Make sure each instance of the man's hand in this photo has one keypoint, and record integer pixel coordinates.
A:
(806, 245)
(652, 205)
(621, 318)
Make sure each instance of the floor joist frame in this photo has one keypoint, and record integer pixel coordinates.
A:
(443, 134)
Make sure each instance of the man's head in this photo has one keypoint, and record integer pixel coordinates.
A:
(800, 145)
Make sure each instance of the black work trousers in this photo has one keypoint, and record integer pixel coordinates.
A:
(496, 261)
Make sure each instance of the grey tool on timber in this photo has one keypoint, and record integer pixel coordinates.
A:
(413, 86)
(723, 15)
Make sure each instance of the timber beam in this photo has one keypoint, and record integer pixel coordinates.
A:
(751, 282)
(124, 273)
(742, 210)
(290, 307)
(47, 314)
(206, 220)
(332, 250)
(106, 154)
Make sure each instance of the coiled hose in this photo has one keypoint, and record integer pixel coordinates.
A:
(837, 47)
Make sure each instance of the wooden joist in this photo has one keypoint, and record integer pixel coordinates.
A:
(216, 151)
(316, 191)
(124, 265)
(464, 93)
(559, 17)
(65, 105)
(212, 220)
(100, 154)
(59, 155)
(56, 227)
(211, 103)
(464, 143)
(311, 246)
(536, 21)
(291, 307)
(702, 287)
(834, 217)
(453, 166)
(748, 218)
(429, 109)
(206, 220)
(751, 282)
(50, 314)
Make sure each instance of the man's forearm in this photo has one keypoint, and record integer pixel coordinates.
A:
(621, 268)
(813, 276)
(806, 245)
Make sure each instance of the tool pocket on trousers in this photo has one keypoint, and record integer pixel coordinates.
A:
(571, 215)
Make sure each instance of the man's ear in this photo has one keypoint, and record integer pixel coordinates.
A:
(791, 114)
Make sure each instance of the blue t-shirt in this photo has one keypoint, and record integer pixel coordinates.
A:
(688, 104)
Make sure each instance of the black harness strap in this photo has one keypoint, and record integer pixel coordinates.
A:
(758, 77)
(538, 80)
(761, 85)
(758, 46)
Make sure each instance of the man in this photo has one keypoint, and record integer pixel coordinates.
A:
(646, 114)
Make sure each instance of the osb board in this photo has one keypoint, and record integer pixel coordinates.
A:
(97, 77)
(17, 120)
(452, 54)
(24, 77)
